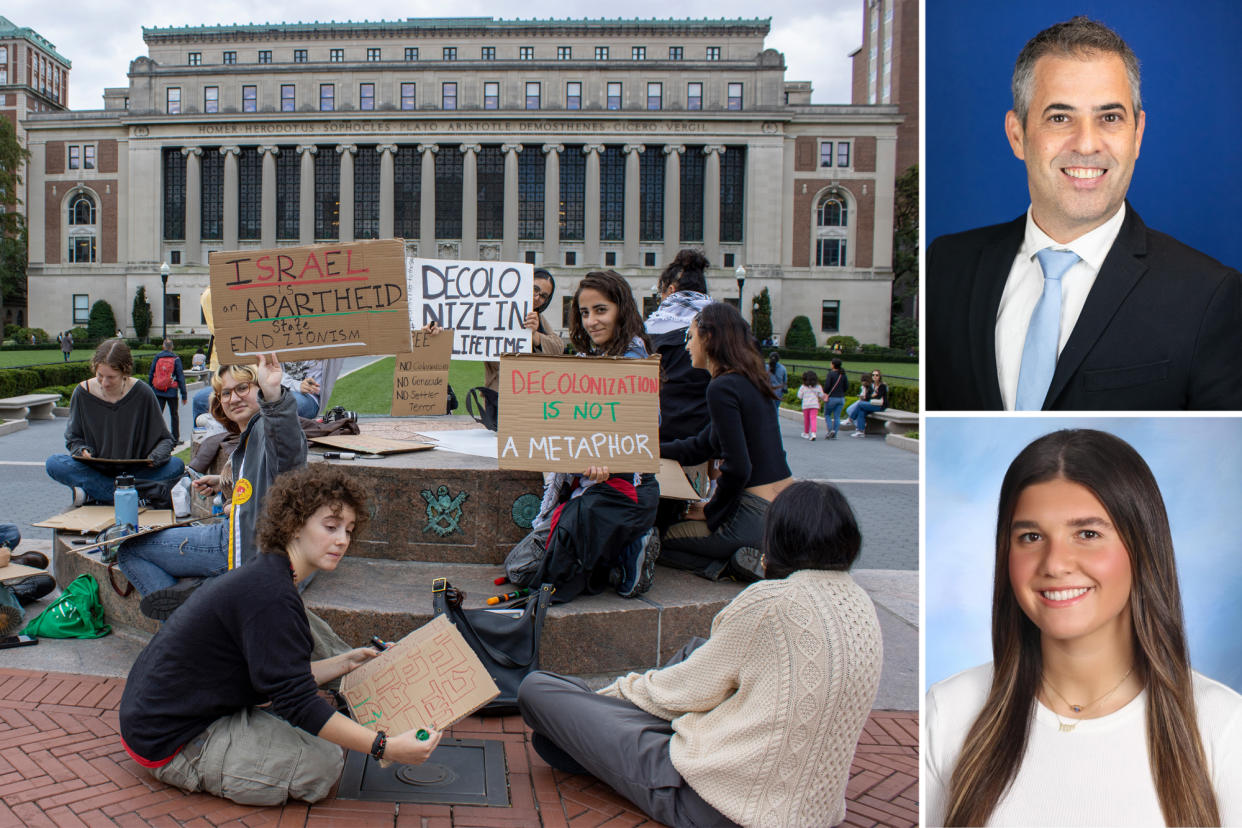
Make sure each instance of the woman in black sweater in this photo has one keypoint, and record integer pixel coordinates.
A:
(224, 698)
(744, 436)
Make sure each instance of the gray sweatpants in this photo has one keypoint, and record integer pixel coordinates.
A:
(255, 758)
(619, 744)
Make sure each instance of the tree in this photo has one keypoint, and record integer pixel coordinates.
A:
(12, 223)
(904, 320)
(102, 324)
(141, 314)
(761, 316)
(800, 336)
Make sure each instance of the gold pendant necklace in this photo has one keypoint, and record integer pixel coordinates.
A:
(1065, 727)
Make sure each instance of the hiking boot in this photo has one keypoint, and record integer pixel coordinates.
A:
(747, 564)
(159, 605)
(637, 574)
(37, 560)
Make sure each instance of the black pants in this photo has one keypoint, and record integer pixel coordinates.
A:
(175, 426)
(690, 545)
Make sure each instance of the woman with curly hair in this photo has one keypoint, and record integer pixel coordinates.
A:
(224, 698)
(1089, 713)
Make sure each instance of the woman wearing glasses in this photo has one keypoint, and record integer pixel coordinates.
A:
(248, 401)
(877, 400)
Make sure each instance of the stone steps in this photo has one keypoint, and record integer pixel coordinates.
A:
(596, 634)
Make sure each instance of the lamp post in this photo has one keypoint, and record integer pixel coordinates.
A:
(164, 305)
(740, 273)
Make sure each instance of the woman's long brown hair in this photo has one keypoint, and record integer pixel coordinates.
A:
(617, 290)
(729, 345)
(996, 743)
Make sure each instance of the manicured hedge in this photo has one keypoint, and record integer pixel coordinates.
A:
(17, 381)
(900, 397)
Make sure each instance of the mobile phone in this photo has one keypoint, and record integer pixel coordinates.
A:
(17, 641)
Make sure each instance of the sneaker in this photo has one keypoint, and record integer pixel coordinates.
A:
(747, 564)
(804, 435)
(637, 574)
(832, 435)
(77, 497)
(159, 605)
(812, 438)
(858, 434)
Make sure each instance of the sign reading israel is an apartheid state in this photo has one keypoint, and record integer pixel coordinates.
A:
(313, 302)
(484, 303)
(565, 413)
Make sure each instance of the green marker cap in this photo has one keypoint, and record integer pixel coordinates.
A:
(422, 735)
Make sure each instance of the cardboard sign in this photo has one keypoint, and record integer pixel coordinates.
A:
(85, 519)
(674, 484)
(314, 302)
(420, 378)
(370, 444)
(565, 413)
(429, 679)
(483, 303)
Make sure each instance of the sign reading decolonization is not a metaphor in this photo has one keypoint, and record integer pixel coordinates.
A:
(484, 303)
(565, 413)
(313, 302)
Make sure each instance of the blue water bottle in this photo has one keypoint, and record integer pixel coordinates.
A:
(126, 499)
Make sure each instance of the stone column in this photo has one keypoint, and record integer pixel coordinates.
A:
(711, 204)
(345, 212)
(633, 197)
(509, 244)
(193, 204)
(672, 201)
(469, 201)
(591, 257)
(552, 203)
(306, 195)
(386, 208)
(427, 203)
(230, 196)
(267, 233)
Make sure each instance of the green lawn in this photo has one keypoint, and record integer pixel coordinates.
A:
(369, 390)
(21, 359)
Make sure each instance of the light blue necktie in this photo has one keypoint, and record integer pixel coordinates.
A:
(1039, 354)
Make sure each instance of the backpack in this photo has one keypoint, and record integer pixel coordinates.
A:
(163, 377)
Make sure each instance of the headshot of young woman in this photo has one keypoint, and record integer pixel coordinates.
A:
(1090, 712)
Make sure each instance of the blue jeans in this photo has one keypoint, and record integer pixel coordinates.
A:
(308, 405)
(200, 403)
(10, 536)
(858, 413)
(99, 485)
(157, 560)
(833, 407)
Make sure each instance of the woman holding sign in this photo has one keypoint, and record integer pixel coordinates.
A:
(598, 524)
(723, 537)
(224, 700)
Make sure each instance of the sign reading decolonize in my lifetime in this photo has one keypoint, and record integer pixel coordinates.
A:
(565, 413)
(484, 303)
(313, 302)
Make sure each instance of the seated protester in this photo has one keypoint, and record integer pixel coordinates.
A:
(167, 378)
(745, 436)
(223, 699)
(542, 340)
(683, 388)
(248, 401)
(311, 382)
(201, 401)
(113, 416)
(199, 360)
(598, 523)
(872, 397)
(756, 725)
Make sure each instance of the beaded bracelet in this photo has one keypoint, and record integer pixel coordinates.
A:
(381, 742)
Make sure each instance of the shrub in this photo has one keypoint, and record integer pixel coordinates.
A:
(141, 313)
(761, 316)
(800, 337)
(842, 344)
(103, 321)
(904, 333)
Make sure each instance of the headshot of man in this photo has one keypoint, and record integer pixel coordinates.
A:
(1077, 304)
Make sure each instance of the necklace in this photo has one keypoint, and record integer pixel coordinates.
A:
(1078, 708)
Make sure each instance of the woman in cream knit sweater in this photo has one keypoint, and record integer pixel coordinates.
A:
(756, 725)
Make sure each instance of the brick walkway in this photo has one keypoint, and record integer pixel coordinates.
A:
(61, 765)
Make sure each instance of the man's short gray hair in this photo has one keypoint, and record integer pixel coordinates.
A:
(1078, 37)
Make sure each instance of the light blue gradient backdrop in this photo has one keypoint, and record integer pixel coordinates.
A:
(1198, 465)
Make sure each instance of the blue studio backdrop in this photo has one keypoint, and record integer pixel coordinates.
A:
(1197, 463)
(1188, 178)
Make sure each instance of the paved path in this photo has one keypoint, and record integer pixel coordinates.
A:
(62, 764)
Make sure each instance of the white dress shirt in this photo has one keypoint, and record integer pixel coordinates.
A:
(1026, 284)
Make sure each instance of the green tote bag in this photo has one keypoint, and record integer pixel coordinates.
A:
(77, 613)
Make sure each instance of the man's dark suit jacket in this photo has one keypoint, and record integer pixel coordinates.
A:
(1161, 327)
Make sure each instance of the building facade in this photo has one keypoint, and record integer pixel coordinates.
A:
(886, 68)
(574, 144)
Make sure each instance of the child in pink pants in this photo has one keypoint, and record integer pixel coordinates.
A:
(811, 395)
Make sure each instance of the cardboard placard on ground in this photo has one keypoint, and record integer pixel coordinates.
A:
(369, 444)
(313, 302)
(674, 485)
(565, 413)
(483, 303)
(420, 378)
(429, 679)
(99, 518)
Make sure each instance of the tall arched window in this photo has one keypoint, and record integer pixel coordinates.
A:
(82, 228)
(832, 221)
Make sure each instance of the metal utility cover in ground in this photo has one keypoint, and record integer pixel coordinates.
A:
(459, 772)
